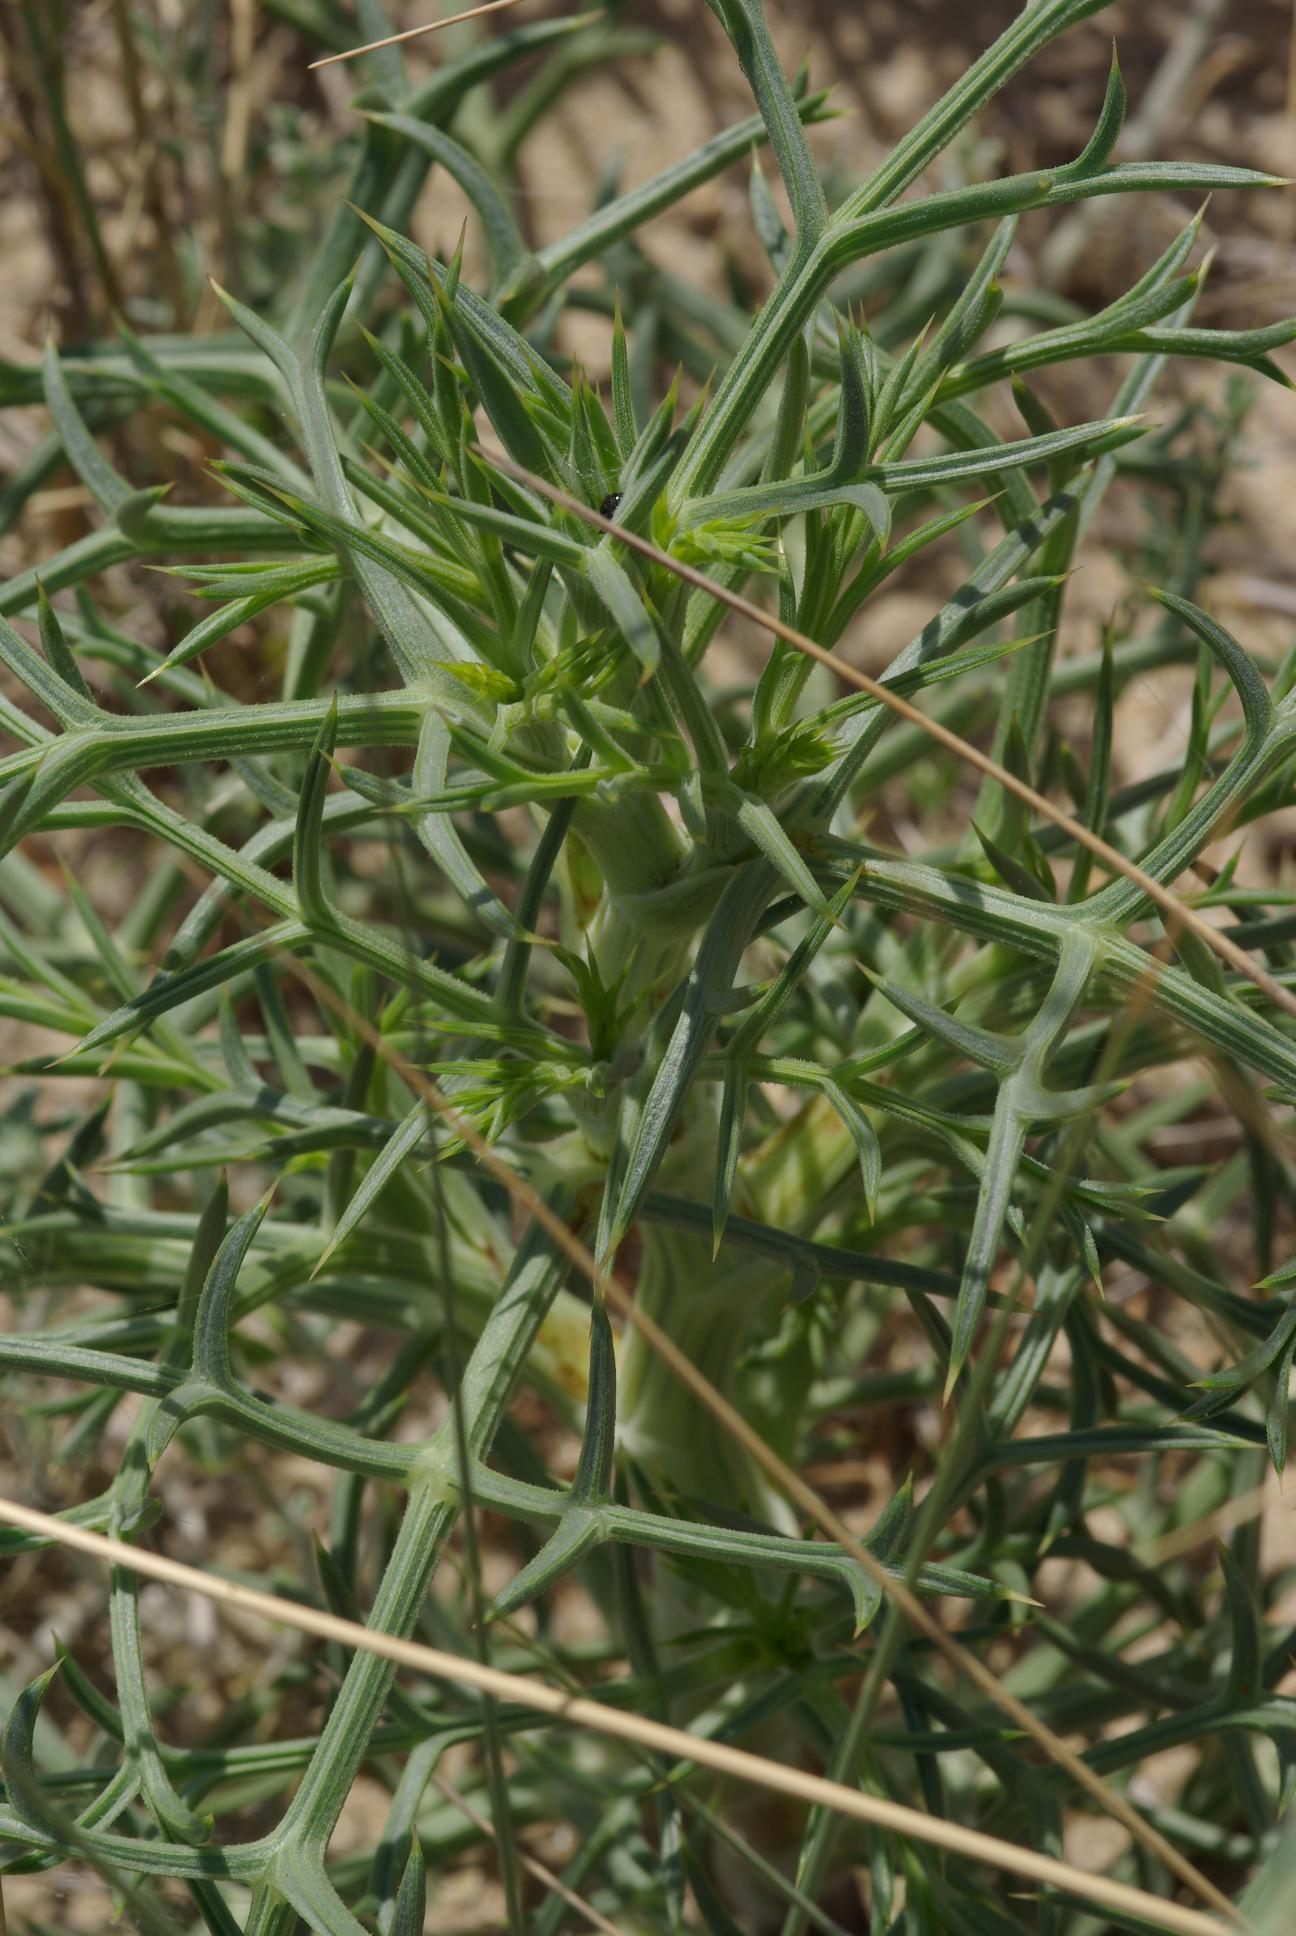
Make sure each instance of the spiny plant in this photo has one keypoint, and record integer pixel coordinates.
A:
(502, 865)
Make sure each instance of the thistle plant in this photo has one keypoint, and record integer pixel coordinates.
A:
(867, 1125)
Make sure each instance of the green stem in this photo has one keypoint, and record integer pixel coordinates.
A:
(488, 1379)
(681, 1449)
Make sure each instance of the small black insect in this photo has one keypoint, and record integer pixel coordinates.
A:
(608, 508)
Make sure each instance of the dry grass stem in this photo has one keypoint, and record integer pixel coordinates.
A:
(414, 33)
(575, 1711)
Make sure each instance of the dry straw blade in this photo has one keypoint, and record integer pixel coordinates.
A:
(413, 33)
(576, 1711)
